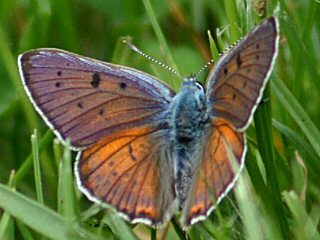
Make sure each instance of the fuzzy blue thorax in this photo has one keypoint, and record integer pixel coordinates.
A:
(189, 112)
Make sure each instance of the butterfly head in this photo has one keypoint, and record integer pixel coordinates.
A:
(192, 82)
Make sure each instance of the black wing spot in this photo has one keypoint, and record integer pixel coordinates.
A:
(234, 97)
(95, 80)
(239, 61)
(101, 112)
(225, 71)
(244, 84)
(114, 173)
(80, 105)
(58, 84)
(59, 73)
(126, 175)
(257, 57)
(257, 45)
(133, 157)
(123, 85)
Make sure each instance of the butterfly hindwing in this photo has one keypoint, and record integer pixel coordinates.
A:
(129, 171)
(236, 84)
(84, 99)
(218, 168)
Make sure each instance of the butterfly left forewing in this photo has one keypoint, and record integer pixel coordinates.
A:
(216, 172)
(85, 99)
(236, 84)
(129, 171)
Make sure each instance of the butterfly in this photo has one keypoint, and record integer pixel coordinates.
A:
(145, 150)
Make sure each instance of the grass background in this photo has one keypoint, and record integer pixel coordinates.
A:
(278, 194)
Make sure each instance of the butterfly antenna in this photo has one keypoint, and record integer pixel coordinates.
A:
(204, 67)
(137, 50)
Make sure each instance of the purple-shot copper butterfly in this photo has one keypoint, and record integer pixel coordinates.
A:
(146, 150)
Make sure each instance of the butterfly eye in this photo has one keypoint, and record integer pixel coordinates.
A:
(199, 85)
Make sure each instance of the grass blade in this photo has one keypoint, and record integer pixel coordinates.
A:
(25, 231)
(9, 62)
(161, 38)
(304, 227)
(297, 113)
(119, 227)
(262, 120)
(66, 196)
(6, 220)
(26, 166)
(300, 143)
(36, 166)
(34, 215)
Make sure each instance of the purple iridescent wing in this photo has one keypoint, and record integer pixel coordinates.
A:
(84, 99)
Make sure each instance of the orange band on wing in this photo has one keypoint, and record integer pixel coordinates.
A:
(124, 170)
(217, 172)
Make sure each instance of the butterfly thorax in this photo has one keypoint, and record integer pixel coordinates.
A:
(189, 117)
(189, 112)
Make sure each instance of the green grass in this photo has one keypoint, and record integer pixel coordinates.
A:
(278, 194)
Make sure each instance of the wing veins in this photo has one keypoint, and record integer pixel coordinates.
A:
(96, 107)
(213, 155)
(75, 100)
(144, 178)
(83, 113)
(59, 78)
(120, 176)
(230, 114)
(141, 117)
(237, 90)
(112, 154)
(71, 69)
(131, 184)
(119, 96)
(120, 137)
(219, 167)
(134, 109)
(253, 41)
(243, 57)
(120, 124)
